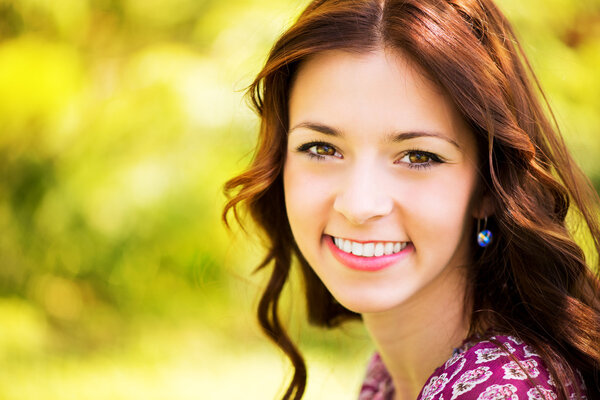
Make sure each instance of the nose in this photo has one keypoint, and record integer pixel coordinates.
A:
(363, 197)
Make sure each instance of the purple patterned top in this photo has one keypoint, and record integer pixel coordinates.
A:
(479, 370)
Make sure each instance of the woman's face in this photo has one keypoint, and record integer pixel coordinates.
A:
(379, 179)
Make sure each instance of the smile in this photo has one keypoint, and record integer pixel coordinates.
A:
(369, 249)
(368, 256)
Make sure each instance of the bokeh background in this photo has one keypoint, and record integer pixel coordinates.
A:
(120, 120)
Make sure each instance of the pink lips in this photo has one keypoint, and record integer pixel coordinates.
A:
(366, 263)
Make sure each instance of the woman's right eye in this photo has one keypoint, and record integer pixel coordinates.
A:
(319, 150)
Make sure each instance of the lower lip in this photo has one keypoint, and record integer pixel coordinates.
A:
(366, 263)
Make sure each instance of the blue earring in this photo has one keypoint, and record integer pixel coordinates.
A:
(484, 236)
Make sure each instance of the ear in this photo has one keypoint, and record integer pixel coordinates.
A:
(484, 207)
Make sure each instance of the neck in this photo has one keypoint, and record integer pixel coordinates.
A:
(418, 336)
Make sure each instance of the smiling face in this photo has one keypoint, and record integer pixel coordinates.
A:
(379, 180)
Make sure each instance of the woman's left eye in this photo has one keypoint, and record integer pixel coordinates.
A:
(322, 150)
(419, 159)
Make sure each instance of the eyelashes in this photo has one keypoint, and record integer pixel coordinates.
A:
(319, 150)
(413, 158)
(419, 159)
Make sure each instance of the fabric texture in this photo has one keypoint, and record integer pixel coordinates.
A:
(492, 369)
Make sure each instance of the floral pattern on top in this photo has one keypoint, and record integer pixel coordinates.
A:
(500, 368)
(378, 383)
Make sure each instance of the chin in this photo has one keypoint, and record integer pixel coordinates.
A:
(368, 303)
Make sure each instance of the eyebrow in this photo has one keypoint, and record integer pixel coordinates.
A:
(394, 137)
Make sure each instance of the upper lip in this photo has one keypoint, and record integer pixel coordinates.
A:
(370, 240)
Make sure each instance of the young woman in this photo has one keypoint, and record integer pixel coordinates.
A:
(405, 161)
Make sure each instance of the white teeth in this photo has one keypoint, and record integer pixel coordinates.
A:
(347, 246)
(369, 249)
(389, 248)
(357, 249)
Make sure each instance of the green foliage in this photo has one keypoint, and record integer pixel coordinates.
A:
(119, 122)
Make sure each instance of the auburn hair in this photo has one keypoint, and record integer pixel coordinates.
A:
(534, 280)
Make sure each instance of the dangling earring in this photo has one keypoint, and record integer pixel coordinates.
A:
(484, 236)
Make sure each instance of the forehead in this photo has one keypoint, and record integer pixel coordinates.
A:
(376, 93)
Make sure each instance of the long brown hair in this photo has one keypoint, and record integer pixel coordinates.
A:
(534, 280)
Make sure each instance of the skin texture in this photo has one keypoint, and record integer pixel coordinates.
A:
(375, 176)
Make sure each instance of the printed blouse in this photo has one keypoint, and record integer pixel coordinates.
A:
(479, 370)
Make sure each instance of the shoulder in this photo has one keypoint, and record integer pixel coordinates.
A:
(501, 367)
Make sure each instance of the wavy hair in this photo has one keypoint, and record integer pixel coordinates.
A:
(534, 281)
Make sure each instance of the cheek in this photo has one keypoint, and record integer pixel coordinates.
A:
(443, 204)
(307, 198)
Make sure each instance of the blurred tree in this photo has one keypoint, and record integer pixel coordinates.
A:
(121, 119)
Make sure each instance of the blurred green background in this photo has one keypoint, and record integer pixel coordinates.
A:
(120, 120)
